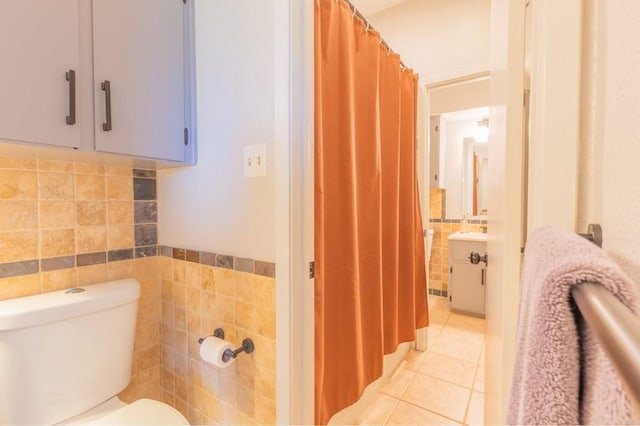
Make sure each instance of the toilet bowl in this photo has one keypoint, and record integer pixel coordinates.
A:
(87, 335)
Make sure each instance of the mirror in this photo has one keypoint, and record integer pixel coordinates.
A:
(458, 136)
(463, 137)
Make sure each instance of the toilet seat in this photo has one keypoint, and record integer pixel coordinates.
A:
(141, 412)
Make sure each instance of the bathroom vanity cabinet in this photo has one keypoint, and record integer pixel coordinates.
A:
(466, 280)
(101, 76)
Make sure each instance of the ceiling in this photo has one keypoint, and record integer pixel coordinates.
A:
(438, 39)
(371, 7)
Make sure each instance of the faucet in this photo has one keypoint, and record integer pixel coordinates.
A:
(464, 223)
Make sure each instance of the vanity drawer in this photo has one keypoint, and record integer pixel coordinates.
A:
(459, 250)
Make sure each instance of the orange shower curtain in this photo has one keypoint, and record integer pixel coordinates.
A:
(370, 285)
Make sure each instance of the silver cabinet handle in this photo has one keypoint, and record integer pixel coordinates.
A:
(106, 87)
(71, 78)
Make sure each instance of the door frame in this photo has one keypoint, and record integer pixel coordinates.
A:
(294, 128)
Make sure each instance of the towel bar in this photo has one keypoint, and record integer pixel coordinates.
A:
(616, 329)
(594, 234)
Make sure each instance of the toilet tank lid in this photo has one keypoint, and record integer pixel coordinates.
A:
(66, 304)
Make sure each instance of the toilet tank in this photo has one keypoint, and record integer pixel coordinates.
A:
(64, 352)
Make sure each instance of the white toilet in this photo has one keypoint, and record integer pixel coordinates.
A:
(65, 355)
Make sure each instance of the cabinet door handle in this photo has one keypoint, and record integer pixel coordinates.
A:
(70, 76)
(483, 276)
(106, 86)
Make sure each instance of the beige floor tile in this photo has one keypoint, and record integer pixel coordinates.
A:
(470, 328)
(449, 369)
(407, 414)
(467, 323)
(432, 334)
(478, 383)
(436, 387)
(414, 359)
(438, 317)
(443, 398)
(475, 414)
(379, 411)
(482, 354)
(398, 382)
(438, 303)
(474, 336)
(457, 346)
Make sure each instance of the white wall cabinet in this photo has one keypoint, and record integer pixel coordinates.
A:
(466, 280)
(38, 46)
(138, 48)
(132, 62)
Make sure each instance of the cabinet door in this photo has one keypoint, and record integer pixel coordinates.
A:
(139, 50)
(39, 43)
(467, 284)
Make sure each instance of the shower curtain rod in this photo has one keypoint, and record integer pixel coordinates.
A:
(357, 13)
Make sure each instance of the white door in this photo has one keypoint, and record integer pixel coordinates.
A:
(39, 46)
(139, 53)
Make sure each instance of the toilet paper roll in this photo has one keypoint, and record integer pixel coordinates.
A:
(211, 351)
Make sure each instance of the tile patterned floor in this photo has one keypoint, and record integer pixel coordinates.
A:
(442, 386)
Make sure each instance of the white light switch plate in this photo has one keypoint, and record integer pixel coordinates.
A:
(255, 160)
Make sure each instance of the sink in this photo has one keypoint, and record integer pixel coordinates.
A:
(468, 236)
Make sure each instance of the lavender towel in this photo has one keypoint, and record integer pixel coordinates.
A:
(561, 374)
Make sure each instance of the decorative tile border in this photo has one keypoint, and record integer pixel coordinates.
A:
(14, 269)
(474, 221)
(241, 264)
(436, 292)
(33, 266)
(145, 213)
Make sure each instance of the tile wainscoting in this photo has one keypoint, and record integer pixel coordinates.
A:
(201, 292)
(66, 224)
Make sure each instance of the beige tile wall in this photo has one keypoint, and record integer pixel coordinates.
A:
(197, 299)
(435, 203)
(51, 209)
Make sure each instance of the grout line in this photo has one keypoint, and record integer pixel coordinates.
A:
(434, 412)
(393, 410)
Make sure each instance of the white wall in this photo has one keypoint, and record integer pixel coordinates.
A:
(609, 190)
(211, 206)
(439, 39)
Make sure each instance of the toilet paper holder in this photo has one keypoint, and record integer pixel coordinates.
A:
(247, 346)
